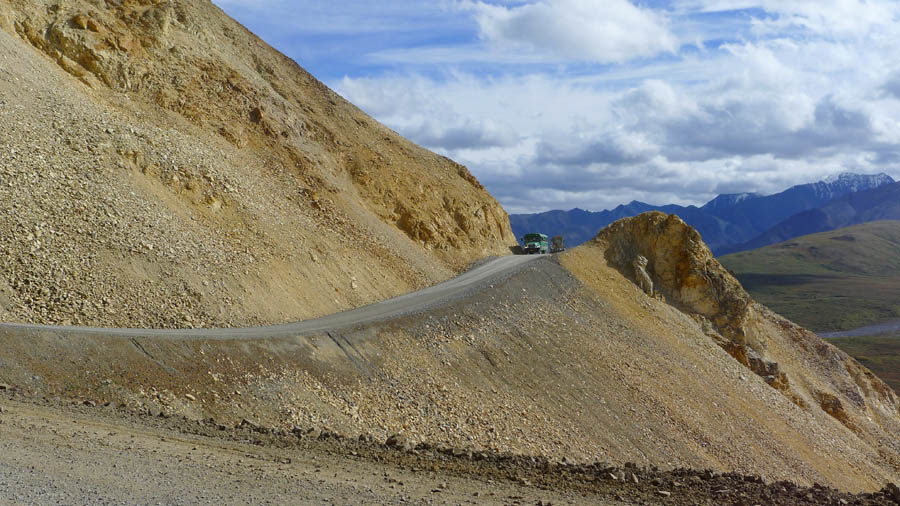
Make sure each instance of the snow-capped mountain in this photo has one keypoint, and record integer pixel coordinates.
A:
(848, 182)
(727, 200)
(725, 222)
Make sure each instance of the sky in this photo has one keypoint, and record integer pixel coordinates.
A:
(556, 104)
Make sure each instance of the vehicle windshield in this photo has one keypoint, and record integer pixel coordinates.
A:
(533, 238)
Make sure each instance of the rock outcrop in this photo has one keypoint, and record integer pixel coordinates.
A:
(685, 273)
(682, 270)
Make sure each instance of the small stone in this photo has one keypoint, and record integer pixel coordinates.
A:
(190, 397)
(91, 404)
(663, 493)
(400, 442)
(4, 386)
(80, 21)
(892, 491)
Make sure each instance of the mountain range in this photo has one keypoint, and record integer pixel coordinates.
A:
(880, 203)
(731, 222)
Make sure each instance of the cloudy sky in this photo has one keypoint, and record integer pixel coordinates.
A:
(555, 104)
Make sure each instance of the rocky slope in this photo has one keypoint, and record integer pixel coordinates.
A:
(164, 167)
(568, 359)
(688, 277)
(116, 459)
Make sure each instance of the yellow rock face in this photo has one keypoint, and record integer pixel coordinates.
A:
(169, 124)
(811, 373)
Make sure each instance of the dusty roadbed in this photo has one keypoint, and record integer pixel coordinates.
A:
(453, 289)
(868, 330)
(82, 454)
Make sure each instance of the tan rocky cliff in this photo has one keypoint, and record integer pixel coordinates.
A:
(164, 167)
(810, 372)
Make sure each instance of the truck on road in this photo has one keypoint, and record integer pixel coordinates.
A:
(535, 243)
(557, 244)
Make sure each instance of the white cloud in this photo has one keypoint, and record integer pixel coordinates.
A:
(579, 30)
(565, 103)
(760, 117)
(892, 85)
(846, 18)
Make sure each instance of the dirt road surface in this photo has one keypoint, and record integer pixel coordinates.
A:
(458, 287)
(73, 458)
(76, 454)
(868, 330)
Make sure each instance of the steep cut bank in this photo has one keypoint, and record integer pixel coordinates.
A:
(814, 375)
(163, 167)
(569, 359)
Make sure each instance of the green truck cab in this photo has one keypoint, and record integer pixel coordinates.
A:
(535, 243)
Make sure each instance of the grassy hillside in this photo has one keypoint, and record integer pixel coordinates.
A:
(880, 353)
(834, 280)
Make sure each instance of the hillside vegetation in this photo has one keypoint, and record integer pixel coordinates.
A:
(880, 353)
(834, 280)
(164, 167)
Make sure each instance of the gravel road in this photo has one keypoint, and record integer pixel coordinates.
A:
(58, 454)
(53, 456)
(868, 330)
(472, 280)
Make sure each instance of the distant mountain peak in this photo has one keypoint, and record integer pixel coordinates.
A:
(838, 185)
(726, 222)
(852, 178)
(729, 199)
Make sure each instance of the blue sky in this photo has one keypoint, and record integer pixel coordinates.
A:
(555, 104)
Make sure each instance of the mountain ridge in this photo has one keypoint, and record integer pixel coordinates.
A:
(725, 222)
(855, 208)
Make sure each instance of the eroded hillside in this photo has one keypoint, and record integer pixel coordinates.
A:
(163, 167)
(569, 359)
